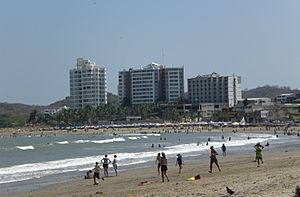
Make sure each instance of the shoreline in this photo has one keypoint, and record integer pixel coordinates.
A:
(243, 163)
(278, 176)
(39, 131)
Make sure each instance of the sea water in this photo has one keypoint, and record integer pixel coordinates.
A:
(29, 162)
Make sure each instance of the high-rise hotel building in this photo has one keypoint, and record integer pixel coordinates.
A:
(173, 84)
(150, 84)
(87, 84)
(213, 88)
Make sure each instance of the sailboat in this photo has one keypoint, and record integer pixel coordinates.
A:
(243, 122)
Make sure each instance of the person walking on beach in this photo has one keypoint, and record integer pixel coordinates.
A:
(258, 152)
(97, 170)
(164, 167)
(157, 161)
(213, 159)
(224, 150)
(115, 165)
(179, 161)
(105, 161)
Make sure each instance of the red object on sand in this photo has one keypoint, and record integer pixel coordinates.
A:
(144, 183)
(193, 178)
(198, 177)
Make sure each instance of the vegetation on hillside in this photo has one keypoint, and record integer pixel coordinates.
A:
(15, 115)
(11, 121)
(105, 113)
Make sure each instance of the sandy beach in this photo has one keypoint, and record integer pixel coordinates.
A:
(277, 177)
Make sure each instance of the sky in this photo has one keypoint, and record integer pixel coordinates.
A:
(40, 41)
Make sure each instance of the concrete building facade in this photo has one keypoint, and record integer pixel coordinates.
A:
(88, 84)
(250, 105)
(124, 87)
(286, 98)
(174, 84)
(150, 84)
(213, 88)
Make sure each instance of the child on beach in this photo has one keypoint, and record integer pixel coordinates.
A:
(258, 152)
(88, 175)
(157, 161)
(105, 161)
(115, 165)
(179, 161)
(213, 159)
(97, 173)
(164, 167)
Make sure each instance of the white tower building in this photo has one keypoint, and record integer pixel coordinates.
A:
(150, 84)
(88, 84)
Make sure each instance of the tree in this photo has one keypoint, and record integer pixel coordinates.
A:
(11, 121)
(32, 117)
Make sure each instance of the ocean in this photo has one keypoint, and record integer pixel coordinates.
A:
(31, 162)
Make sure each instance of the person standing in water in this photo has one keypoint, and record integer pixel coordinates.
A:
(224, 150)
(105, 161)
(213, 159)
(115, 164)
(164, 167)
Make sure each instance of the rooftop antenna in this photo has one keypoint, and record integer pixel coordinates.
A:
(163, 56)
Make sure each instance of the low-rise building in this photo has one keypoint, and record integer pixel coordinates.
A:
(288, 111)
(207, 110)
(285, 98)
(253, 104)
(53, 111)
(214, 88)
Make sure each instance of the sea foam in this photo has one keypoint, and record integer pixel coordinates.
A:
(25, 147)
(108, 140)
(134, 138)
(62, 142)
